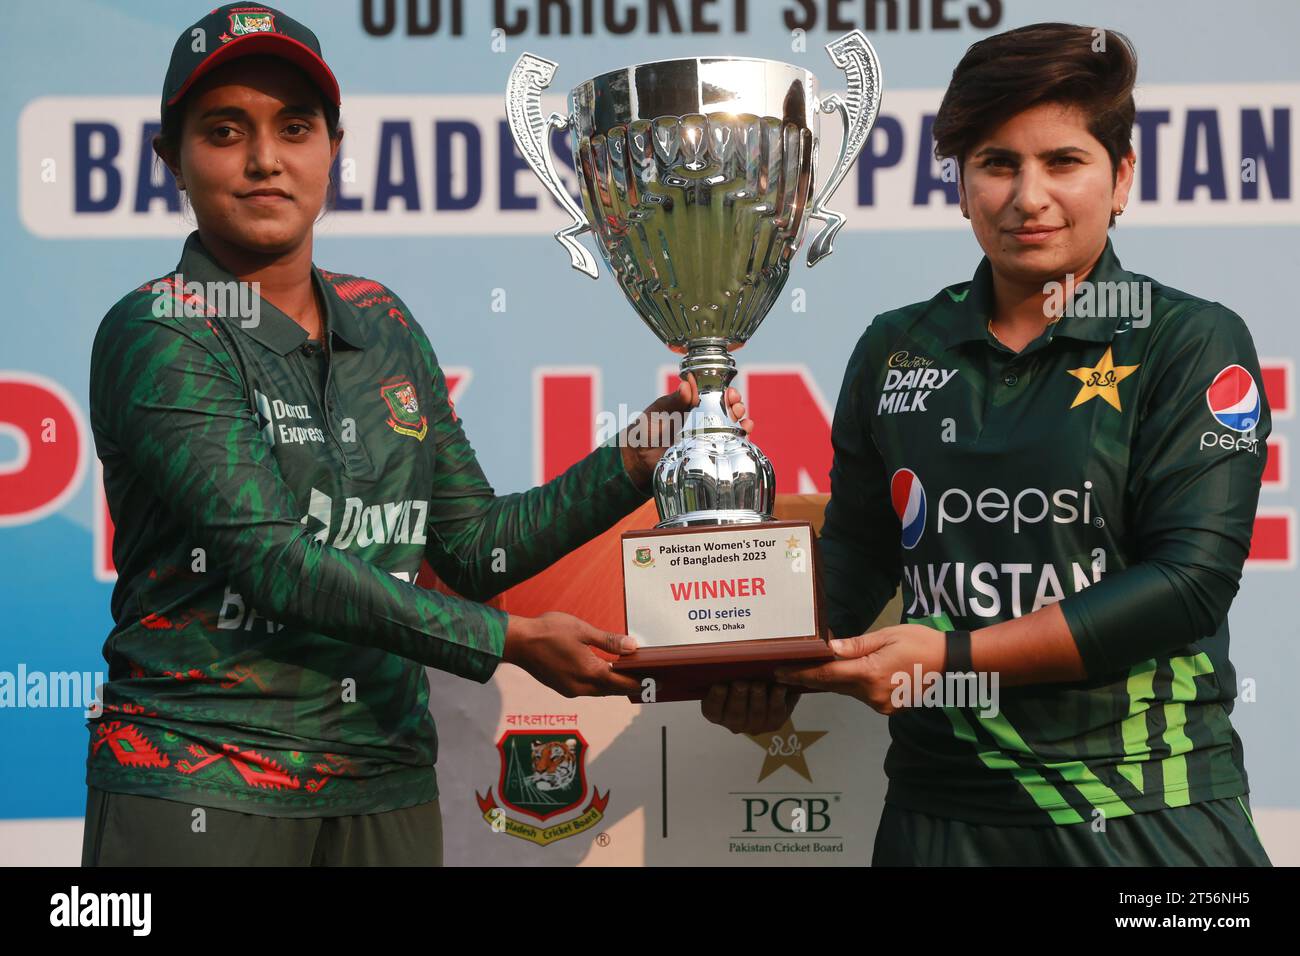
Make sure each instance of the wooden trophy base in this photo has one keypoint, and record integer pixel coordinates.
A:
(686, 671)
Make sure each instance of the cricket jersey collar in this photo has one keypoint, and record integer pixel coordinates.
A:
(275, 330)
(968, 311)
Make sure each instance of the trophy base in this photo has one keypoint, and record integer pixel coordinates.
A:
(687, 673)
(688, 589)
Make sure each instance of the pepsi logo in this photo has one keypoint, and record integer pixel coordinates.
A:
(1234, 400)
(908, 495)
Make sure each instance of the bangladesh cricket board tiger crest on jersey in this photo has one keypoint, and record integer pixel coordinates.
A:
(404, 410)
(543, 775)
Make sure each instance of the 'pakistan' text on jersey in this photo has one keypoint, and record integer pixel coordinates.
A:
(272, 506)
(1113, 465)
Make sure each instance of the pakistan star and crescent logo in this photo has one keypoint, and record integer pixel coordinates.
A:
(1102, 380)
(786, 748)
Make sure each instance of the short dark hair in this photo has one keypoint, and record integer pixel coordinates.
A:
(1011, 72)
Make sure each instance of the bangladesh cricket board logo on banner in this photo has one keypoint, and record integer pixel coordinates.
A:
(404, 409)
(543, 775)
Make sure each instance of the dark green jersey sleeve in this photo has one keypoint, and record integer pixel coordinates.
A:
(861, 560)
(1192, 500)
(173, 406)
(481, 543)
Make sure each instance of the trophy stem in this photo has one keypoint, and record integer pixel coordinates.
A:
(713, 367)
(713, 474)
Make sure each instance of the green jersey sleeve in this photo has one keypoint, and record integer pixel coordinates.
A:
(1193, 491)
(861, 559)
(482, 543)
(172, 403)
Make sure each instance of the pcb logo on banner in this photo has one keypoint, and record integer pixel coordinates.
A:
(543, 775)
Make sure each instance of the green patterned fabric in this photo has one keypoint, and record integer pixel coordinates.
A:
(272, 506)
(1089, 469)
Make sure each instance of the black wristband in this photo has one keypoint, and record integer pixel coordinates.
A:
(957, 659)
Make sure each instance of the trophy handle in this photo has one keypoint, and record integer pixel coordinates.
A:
(532, 132)
(855, 56)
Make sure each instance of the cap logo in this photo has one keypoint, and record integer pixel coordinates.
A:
(242, 24)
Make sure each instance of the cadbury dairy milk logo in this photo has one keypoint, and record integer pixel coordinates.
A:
(909, 381)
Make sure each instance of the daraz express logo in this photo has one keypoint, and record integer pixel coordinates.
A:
(272, 411)
(1028, 506)
(388, 522)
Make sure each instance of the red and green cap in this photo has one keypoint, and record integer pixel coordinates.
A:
(244, 29)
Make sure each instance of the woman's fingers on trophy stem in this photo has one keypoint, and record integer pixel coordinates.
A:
(684, 395)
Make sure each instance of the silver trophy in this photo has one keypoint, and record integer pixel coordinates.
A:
(696, 177)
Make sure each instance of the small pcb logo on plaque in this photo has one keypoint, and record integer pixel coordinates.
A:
(543, 775)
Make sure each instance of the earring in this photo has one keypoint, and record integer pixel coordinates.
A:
(1119, 211)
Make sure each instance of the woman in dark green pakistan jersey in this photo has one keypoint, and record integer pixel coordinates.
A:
(1061, 461)
(276, 475)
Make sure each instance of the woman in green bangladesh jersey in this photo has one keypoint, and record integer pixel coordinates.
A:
(280, 454)
(1060, 460)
